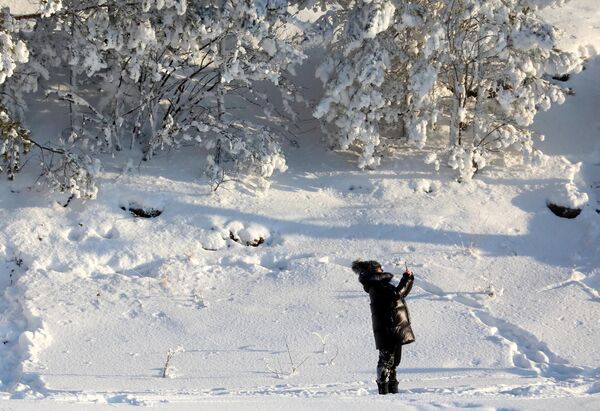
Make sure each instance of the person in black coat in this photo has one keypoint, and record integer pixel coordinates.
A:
(391, 320)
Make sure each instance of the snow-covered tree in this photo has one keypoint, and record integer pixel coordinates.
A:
(470, 73)
(63, 170)
(166, 73)
(14, 138)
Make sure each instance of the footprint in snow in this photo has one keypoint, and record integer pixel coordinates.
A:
(528, 352)
(111, 233)
(59, 266)
(78, 233)
(135, 310)
(219, 391)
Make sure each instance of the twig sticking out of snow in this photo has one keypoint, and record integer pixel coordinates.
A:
(323, 340)
(168, 369)
(279, 371)
(293, 366)
(331, 361)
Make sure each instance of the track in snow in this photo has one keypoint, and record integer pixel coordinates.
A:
(528, 353)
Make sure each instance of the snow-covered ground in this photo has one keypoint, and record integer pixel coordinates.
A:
(505, 307)
(20, 6)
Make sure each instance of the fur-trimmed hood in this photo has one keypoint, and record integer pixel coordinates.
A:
(372, 277)
(367, 274)
(360, 266)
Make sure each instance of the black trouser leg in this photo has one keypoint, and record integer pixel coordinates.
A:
(393, 384)
(383, 370)
(386, 369)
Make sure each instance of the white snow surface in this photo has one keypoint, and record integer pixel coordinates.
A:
(21, 6)
(505, 307)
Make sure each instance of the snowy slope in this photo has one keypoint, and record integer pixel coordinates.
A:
(114, 293)
(505, 307)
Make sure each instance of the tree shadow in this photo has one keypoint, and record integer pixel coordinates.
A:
(543, 241)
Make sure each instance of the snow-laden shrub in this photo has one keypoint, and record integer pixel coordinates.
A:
(251, 152)
(72, 173)
(464, 78)
(165, 74)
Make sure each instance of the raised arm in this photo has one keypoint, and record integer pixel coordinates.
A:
(403, 289)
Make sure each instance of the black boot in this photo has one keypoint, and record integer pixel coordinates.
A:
(383, 388)
(393, 387)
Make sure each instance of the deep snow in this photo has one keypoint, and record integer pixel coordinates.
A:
(505, 306)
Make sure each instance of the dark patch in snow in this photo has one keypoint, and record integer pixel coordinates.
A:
(253, 243)
(361, 188)
(143, 212)
(562, 77)
(358, 188)
(564, 212)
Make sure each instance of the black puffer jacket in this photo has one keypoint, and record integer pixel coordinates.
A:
(391, 320)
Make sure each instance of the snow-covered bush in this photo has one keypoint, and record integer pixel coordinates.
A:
(253, 152)
(464, 77)
(73, 174)
(166, 74)
(14, 141)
